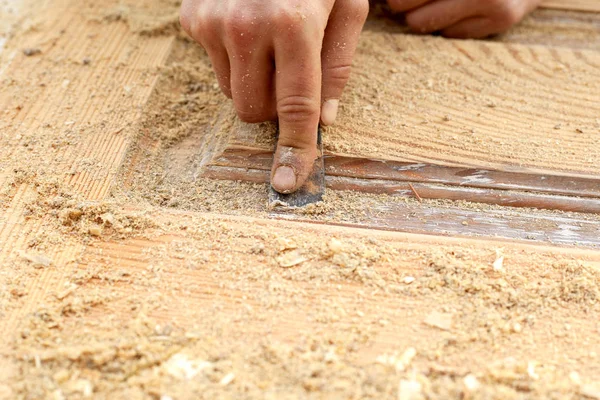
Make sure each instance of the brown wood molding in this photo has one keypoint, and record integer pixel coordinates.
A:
(512, 189)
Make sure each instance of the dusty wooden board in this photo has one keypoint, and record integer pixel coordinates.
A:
(194, 281)
(82, 109)
(196, 270)
(473, 104)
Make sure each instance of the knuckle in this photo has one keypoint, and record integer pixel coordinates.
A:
(297, 108)
(293, 23)
(199, 27)
(360, 10)
(239, 28)
(337, 75)
(508, 12)
(286, 18)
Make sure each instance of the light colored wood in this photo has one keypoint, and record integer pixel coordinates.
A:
(575, 5)
(93, 105)
(472, 104)
(88, 111)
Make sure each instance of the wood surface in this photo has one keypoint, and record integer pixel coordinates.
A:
(576, 5)
(54, 93)
(57, 94)
(473, 104)
(192, 285)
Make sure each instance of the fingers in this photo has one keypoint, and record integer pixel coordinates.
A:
(467, 18)
(339, 45)
(207, 31)
(220, 62)
(476, 28)
(406, 5)
(252, 85)
(298, 91)
(440, 14)
(497, 18)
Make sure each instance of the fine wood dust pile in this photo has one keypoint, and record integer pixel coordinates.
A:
(465, 326)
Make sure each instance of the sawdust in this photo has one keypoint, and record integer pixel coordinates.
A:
(65, 349)
(427, 99)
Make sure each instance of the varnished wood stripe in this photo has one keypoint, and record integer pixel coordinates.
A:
(343, 166)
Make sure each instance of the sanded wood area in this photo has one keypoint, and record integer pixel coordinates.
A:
(218, 282)
(73, 83)
(577, 5)
(472, 104)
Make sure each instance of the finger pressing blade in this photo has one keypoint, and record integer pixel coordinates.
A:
(310, 192)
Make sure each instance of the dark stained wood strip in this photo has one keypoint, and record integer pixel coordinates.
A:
(465, 177)
(342, 166)
(510, 223)
(507, 198)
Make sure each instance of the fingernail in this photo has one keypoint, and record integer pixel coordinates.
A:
(284, 180)
(329, 111)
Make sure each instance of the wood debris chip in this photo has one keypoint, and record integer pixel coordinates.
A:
(37, 260)
(439, 320)
(290, 259)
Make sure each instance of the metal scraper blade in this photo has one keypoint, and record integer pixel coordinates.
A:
(311, 192)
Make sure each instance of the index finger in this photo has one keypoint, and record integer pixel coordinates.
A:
(298, 92)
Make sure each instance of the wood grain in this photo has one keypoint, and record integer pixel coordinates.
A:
(206, 270)
(65, 123)
(248, 157)
(70, 101)
(472, 104)
(199, 281)
(556, 28)
(576, 5)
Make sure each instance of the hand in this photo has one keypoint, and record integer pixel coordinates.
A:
(463, 18)
(281, 58)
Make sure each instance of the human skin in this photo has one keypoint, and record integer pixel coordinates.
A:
(290, 59)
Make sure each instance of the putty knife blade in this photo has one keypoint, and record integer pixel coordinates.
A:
(311, 192)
